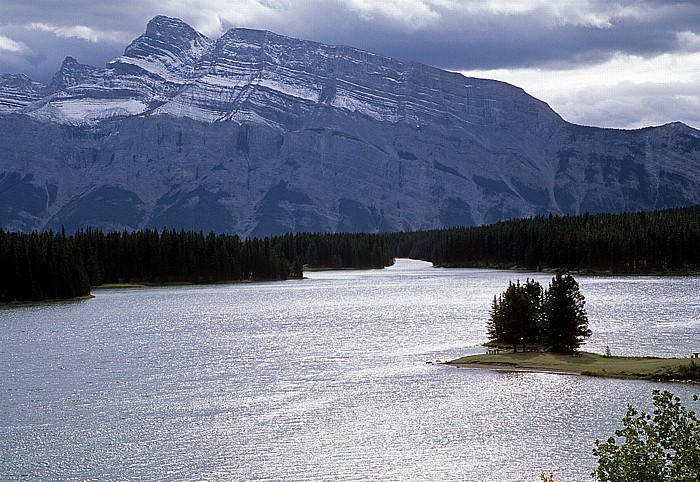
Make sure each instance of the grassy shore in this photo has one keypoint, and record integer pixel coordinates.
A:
(643, 368)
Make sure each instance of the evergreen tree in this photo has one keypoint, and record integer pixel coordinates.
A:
(515, 314)
(497, 325)
(297, 269)
(555, 318)
(534, 295)
(564, 315)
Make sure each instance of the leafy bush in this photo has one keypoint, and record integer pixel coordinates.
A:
(661, 446)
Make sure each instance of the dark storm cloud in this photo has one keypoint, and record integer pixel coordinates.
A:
(91, 31)
(448, 34)
(461, 40)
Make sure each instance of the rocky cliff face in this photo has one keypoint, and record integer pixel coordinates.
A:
(258, 134)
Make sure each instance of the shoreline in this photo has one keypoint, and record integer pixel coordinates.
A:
(113, 286)
(326, 268)
(170, 284)
(580, 271)
(588, 364)
(46, 302)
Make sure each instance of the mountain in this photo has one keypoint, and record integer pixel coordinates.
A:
(257, 134)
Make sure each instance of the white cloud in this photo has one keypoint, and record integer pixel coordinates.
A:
(80, 32)
(212, 17)
(587, 13)
(411, 13)
(9, 45)
(689, 41)
(625, 92)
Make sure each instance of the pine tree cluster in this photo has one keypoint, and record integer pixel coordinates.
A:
(554, 319)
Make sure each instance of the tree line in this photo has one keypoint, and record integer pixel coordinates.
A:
(40, 266)
(48, 265)
(643, 242)
(43, 266)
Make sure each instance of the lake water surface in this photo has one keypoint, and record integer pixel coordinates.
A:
(320, 379)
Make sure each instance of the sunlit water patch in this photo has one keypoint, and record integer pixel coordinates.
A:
(320, 379)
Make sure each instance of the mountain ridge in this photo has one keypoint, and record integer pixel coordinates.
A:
(256, 133)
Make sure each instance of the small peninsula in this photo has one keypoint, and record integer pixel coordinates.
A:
(591, 364)
(550, 325)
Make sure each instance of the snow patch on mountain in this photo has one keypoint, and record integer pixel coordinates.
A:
(178, 108)
(87, 111)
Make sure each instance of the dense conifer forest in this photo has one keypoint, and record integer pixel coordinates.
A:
(47, 265)
(646, 242)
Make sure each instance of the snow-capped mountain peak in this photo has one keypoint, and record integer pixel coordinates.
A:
(257, 133)
(173, 69)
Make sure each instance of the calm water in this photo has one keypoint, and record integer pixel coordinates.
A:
(320, 379)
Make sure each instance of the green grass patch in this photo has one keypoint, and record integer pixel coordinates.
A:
(591, 364)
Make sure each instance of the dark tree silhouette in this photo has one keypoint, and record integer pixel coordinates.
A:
(515, 315)
(565, 322)
(524, 314)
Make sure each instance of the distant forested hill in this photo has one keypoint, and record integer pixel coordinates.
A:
(655, 242)
(47, 265)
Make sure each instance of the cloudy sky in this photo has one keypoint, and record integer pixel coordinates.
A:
(606, 63)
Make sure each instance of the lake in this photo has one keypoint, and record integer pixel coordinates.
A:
(318, 379)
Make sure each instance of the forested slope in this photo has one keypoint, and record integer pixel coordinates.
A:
(646, 242)
(47, 265)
